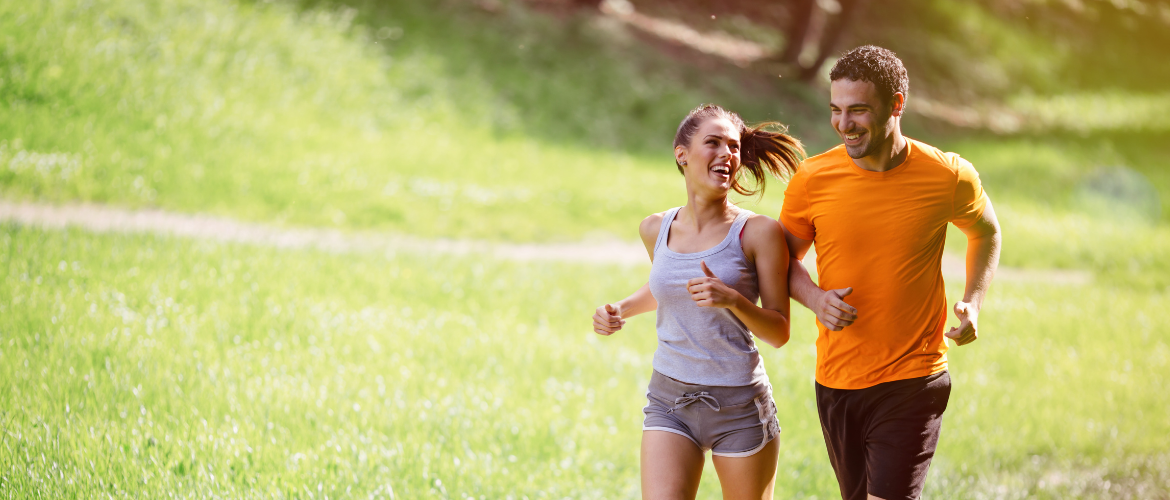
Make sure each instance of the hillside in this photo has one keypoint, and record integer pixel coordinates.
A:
(503, 123)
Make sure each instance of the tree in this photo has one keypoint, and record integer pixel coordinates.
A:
(819, 26)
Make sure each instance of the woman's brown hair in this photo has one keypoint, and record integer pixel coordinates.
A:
(765, 148)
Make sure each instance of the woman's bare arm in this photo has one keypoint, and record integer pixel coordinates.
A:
(610, 318)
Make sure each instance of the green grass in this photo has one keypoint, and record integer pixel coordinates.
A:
(137, 366)
(144, 366)
(1049, 196)
(388, 117)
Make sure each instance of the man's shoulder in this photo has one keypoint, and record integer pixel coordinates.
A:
(833, 158)
(925, 154)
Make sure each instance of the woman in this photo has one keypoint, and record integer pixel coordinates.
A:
(711, 261)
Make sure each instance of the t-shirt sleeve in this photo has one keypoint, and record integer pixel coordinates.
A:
(970, 200)
(795, 214)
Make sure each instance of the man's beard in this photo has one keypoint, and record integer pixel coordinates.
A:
(873, 141)
(862, 150)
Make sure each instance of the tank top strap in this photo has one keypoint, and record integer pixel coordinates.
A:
(738, 224)
(664, 231)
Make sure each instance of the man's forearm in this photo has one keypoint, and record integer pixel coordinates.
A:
(982, 261)
(800, 284)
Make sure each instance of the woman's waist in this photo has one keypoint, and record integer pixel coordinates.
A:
(701, 326)
(668, 387)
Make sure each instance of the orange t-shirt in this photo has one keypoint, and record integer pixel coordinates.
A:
(882, 233)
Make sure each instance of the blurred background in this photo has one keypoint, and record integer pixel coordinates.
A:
(317, 249)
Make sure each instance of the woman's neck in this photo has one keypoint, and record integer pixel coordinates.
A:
(700, 211)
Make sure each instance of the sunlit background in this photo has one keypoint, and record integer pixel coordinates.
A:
(282, 249)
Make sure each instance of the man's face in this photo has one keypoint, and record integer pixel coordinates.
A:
(862, 119)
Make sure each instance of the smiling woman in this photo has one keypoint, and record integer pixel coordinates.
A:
(712, 263)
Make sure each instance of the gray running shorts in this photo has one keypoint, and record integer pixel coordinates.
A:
(729, 421)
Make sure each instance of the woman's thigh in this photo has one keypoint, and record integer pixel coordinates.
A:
(749, 477)
(672, 466)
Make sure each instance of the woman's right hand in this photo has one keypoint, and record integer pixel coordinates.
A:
(608, 319)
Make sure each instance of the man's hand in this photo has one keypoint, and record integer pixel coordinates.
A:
(967, 331)
(833, 312)
(710, 291)
(608, 319)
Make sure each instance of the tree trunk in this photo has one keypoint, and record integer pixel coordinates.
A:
(800, 16)
(832, 35)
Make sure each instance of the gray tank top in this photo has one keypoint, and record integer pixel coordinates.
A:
(704, 345)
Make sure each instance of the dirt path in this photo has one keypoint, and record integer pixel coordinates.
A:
(109, 219)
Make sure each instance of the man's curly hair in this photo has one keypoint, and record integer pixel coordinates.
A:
(875, 65)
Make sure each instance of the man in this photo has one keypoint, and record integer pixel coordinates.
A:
(877, 208)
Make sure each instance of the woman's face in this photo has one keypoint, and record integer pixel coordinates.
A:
(712, 158)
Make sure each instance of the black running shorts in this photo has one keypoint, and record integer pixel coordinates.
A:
(881, 439)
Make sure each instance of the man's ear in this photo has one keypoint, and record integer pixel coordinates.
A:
(897, 104)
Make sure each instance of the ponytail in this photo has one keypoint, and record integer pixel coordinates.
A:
(767, 148)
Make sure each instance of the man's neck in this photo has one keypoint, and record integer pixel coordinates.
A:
(887, 156)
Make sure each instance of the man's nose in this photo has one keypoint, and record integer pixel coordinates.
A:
(844, 124)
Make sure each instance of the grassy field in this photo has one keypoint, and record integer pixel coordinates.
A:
(136, 366)
(141, 366)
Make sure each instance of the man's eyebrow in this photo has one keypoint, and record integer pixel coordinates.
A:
(854, 105)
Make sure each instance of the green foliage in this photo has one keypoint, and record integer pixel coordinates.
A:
(960, 49)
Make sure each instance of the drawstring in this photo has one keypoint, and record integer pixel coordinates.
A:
(687, 399)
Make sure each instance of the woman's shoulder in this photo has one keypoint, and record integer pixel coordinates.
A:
(651, 225)
(649, 229)
(761, 231)
(762, 225)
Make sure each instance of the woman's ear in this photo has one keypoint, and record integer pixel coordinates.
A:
(680, 155)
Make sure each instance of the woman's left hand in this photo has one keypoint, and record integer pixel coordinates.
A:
(710, 291)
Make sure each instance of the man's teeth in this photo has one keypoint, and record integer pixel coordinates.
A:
(852, 136)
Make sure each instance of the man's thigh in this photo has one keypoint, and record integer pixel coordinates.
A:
(902, 435)
(842, 415)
